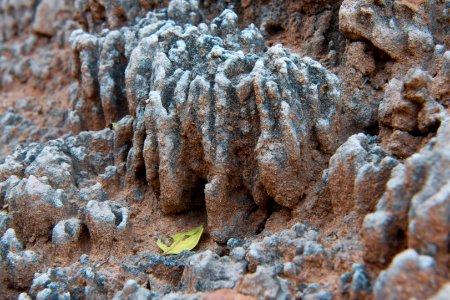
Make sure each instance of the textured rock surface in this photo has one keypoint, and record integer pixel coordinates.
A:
(357, 174)
(212, 108)
(417, 187)
(396, 27)
(16, 16)
(410, 275)
(310, 138)
(47, 185)
(18, 265)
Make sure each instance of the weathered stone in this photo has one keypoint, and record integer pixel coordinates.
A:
(264, 283)
(357, 174)
(184, 11)
(131, 290)
(415, 202)
(259, 124)
(15, 15)
(408, 105)
(212, 123)
(361, 286)
(106, 221)
(49, 16)
(207, 271)
(409, 275)
(376, 21)
(18, 265)
(35, 206)
(66, 231)
(92, 15)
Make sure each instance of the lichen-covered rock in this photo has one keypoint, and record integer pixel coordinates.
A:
(35, 206)
(211, 123)
(9, 242)
(429, 222)
(112, 77)
(275, 264)
(53, 164)
(429, 226)
(299, 245)
(80, 280)
(184, 11)
(18, 125)
(20, 267)
(6, 186)
(85, 68)
(355, 284)
(4, 222)
(163, 273)
(361, 284)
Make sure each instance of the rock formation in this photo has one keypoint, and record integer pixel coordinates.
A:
(311, 138)
(213, 110)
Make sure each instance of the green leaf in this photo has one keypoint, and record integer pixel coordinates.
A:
(161, 245)
(182, 241)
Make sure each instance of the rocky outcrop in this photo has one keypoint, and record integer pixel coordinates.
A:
(207, 271)
(49, 183)
(416, 186)
(410, 275)
(34, 86)
(408, 114)
(396, 27)
(357, 175)
(21, 124)
(18, 265)
(317, 175)
(277, 263)
(96, 15)
(16, 16)
(385, 40)
(213, 111)
(34, 35)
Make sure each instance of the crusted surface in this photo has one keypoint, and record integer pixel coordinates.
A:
(319, 167)
(213, 109)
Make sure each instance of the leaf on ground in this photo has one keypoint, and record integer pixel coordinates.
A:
(181, 241)
(162, 246)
